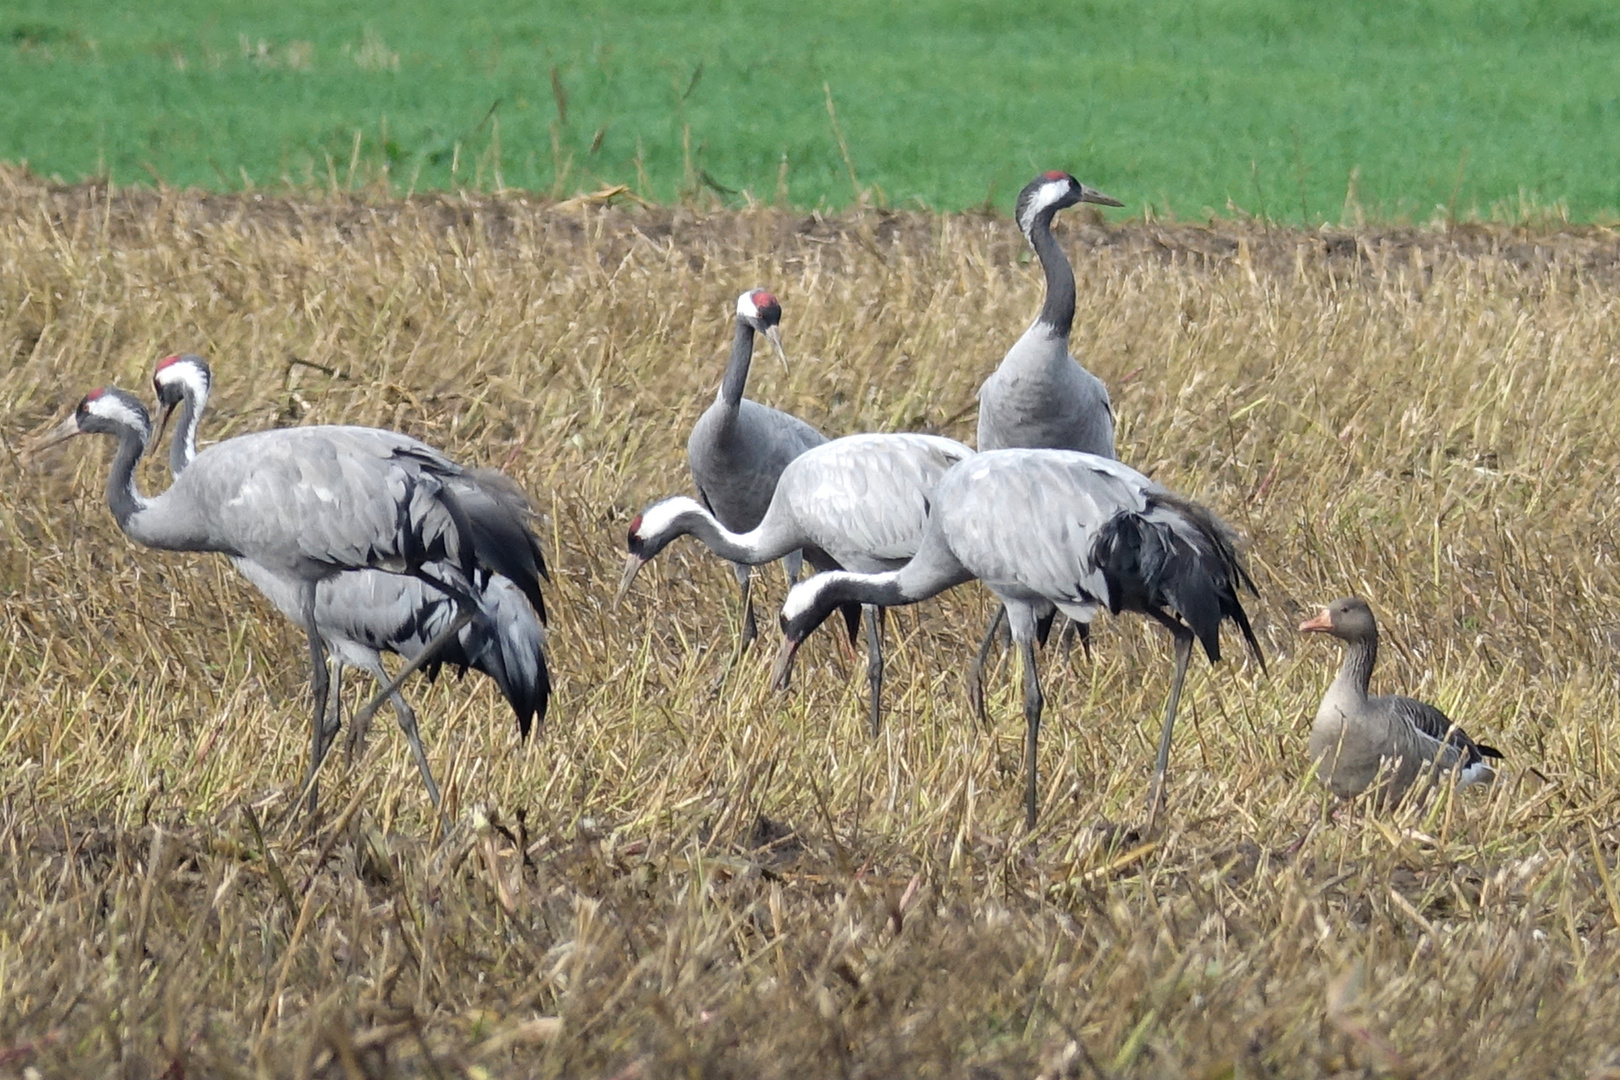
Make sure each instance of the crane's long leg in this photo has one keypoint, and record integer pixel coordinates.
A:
(874, 664)
(1032, 726)
(319, 740)
(975, 676)
(407, 724)
(793, 565)
(334, 701)
(745, 578)
(1161, 762)
(391, 687)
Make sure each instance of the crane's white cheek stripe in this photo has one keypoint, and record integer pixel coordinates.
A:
(1045, 195)
(118, 412)
(801, 598)
(656, 519)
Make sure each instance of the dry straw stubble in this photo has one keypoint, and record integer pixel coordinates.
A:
(672, 878)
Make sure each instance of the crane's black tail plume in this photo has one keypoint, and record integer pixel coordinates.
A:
(507, 643)
(1177, 556)
(499, 516)
(504, 640)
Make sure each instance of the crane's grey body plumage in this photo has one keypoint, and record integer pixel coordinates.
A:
(856, 503)
(1051, 529)
(738, 447)
(1040, 397)
(307, 504)
(361, 614)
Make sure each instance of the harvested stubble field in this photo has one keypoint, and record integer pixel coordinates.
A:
(673, 879)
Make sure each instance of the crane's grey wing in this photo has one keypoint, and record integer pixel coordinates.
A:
(864, 498)
(1028, 520)
(797, 435)
(336, 498)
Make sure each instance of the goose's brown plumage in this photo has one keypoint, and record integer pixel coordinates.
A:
(1358, 739)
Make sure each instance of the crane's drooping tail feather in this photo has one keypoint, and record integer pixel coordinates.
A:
(1176, 555)
(498, 515)
(505, 642)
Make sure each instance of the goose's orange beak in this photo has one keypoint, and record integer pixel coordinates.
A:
(1321, 623)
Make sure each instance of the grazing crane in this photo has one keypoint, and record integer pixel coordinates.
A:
(856, 503)
(310, 503)
(364, 613)
(739, 447)
(1040, 397)
(1049, 531)
(1356, 738)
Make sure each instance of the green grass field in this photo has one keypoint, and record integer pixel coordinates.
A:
(1451, 107)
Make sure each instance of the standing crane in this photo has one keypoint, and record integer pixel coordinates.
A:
(361, 614)
(1357, 739)
(738, 447)
(1049, 531)
(1041, 397)
(310, 503)
(857, 503)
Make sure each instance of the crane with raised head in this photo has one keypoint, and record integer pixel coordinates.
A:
(310, 503)
(855, 503)
(1041, 397)
(362, 614)
(1050, 531)
(738, 447)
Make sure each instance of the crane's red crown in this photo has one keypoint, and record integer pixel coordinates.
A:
(763, 299)
(94, 394)
(1055, 174)
(167, 360)
(635, 526)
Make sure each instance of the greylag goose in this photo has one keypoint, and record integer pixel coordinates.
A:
(1358, 739)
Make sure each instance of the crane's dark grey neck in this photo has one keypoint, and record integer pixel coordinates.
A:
(1360, 654)
(122, 496)
(742, 353)
(1057, 312)
(184, 445)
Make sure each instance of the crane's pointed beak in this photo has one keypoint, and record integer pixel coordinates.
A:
(163, 425)
(1092, 195)
(1320, 623)
(632, 566)
(774, 336)
(61, 433)
(783, 668)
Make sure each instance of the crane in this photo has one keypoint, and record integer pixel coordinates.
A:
(1357, 739)
(309, 503)
(739, 447)
(855, 503)
(1049, 531)
(361, 614)
(1041, 397)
